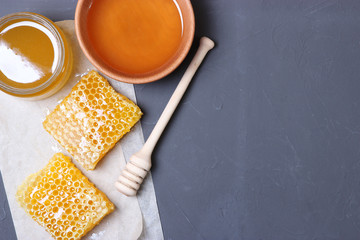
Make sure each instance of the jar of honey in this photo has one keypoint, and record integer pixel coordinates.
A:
(35, 57)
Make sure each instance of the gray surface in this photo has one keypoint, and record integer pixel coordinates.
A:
(266, 142)
(7, 230)
(55, 10)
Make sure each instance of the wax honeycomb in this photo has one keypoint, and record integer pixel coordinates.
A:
(62, 200)
(91, 119)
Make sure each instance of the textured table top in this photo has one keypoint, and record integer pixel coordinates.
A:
(266, 142)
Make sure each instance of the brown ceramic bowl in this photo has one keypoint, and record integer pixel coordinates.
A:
(81, 13)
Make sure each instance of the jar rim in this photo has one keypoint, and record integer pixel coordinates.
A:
(48, 24)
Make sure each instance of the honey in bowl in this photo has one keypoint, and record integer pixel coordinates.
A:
(35, 58)
(135, 36)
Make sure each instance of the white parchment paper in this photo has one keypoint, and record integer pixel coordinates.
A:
(25, 148)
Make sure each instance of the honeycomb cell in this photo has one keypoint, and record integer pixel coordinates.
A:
(82, 122)
(63, 212)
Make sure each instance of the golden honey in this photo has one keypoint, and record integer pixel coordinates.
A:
(91, 119)
(62, 200)
(35, 57)
(135, 36)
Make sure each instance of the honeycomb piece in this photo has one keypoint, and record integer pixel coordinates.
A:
(62, 200)
(91, 119)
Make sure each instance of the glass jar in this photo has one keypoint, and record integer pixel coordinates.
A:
(35, 57)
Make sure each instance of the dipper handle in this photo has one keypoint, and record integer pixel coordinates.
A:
(140, 163)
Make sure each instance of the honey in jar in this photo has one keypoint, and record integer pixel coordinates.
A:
(135, 36)
(35, 59)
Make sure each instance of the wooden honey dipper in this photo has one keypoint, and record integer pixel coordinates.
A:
(140, 163)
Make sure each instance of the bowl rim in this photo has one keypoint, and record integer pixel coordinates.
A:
(136, 79)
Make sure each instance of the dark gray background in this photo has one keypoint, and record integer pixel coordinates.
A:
(266, 142)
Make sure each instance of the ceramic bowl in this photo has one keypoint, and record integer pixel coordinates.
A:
(81, 13)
